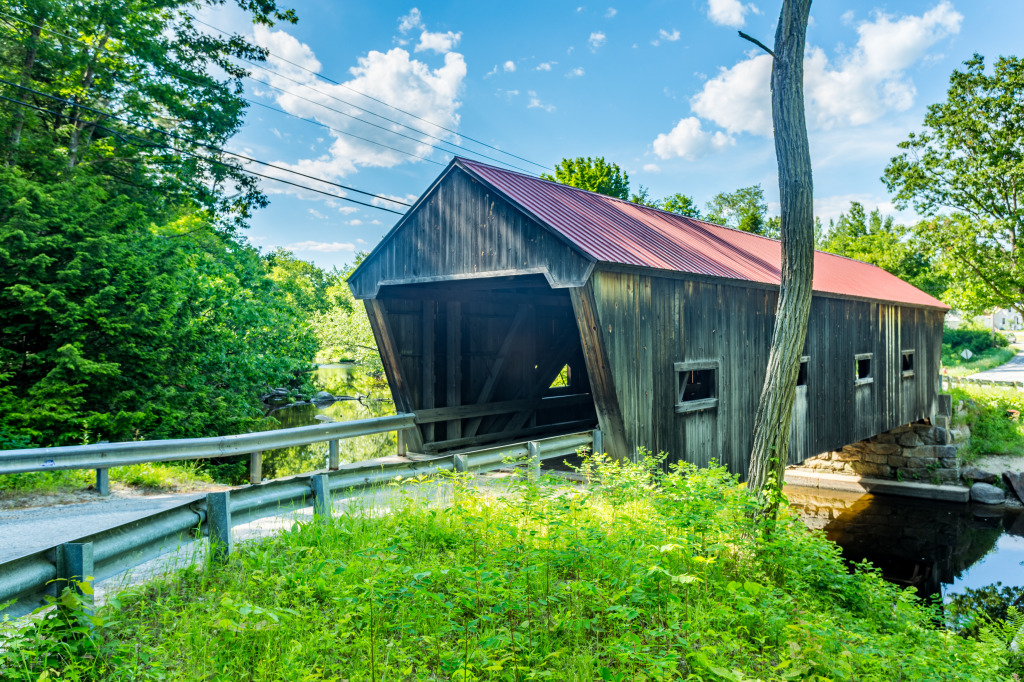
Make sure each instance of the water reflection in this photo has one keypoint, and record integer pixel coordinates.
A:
(939, 548)
(363, 396)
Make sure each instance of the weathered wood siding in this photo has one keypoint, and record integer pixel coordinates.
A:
(462, 229)
(649, 322)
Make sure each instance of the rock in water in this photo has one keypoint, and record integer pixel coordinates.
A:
(323, 397)
(1016, 482)
(987, 494)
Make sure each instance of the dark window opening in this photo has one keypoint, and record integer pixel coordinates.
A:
(801, 378)
(908, 363)
(863, 368)
(696, 384)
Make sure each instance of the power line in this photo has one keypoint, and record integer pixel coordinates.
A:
(380, 101)
(198, 143)
(260, 104)
(151, 143)
(340, 132)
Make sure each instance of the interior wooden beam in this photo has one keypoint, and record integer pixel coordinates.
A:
(392, 361)
(440, 414)
(482, 439)
(428, 377)
(454, 364)
(602, 383)
(487, 391)
(546, 374)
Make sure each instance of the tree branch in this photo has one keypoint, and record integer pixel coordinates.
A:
(756, 42)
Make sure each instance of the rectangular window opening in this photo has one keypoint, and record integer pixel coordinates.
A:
(863, 368)
(908, 363)
(801, 378)
(697, 385)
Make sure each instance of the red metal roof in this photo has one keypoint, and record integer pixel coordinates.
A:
(611, 230)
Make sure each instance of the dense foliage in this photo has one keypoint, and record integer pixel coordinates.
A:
(593, 175)
(130, 307)
(993, 416)
(646, 576)
(963, 171)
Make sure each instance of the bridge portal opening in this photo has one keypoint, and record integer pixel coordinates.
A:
(484, 361)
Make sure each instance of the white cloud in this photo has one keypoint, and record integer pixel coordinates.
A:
(363, 241)
(410, 21)
(317, 214)
(575, 73)
(545, 66)
(652, 168)
(491, 72)
(690, 141)
(730, 12)
(392, 76)
(535, 103)
(858, 87)
(439, 43)
(509, 66)
(610, 12)
(670, 37)
(408, 198)
(321, 247)
(355, 221)
(597, 39)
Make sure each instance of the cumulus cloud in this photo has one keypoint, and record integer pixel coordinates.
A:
(858, 87)
(666, 36)
(690, 141)
(597, 39)
(509, 66)
(545, 66)
(652, 168)
(321, 247)
(438, 43)
(317, 214)
(575, 73)
(393, 76)
(730, 12)
(535, 103)
(410, 21)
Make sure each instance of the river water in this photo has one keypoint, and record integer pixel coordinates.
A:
(942, 549)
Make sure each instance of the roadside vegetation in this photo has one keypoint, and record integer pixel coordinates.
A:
(988, 350)
(993, 414)
(643, 576)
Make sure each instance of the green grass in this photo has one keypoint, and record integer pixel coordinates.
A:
(954, 365)
(993, 431)
(154, 476)
(646, 576)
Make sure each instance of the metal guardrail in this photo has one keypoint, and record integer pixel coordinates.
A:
(28, 579)
(947, 381)
(102, 456)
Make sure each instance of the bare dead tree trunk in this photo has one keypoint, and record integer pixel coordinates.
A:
(26, 77)
(775, 409)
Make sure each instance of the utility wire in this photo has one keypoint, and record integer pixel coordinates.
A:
(191, 140)
(151, 143)
(340, 132)
(259, 104)
(380, 101)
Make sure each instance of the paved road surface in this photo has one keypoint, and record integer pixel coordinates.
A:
(1011, 371)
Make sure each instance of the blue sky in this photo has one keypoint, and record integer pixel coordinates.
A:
(665, 89)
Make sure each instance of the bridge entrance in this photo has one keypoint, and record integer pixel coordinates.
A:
(483, 361)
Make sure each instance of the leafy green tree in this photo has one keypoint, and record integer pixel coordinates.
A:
(682, 204)
(963, 172)
(877, 239)
(643, 197)
(592, 174)
(745, 209)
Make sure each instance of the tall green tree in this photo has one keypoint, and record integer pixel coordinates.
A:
(745, 209)
(682, 204)
(964, 172)
(592, 174)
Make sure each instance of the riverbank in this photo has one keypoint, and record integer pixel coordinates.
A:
(627, 580)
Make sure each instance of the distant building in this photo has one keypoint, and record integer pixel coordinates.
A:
(1006, 320)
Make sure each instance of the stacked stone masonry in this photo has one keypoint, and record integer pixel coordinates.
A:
(915, 452)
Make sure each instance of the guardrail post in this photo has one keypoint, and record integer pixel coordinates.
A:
(256, 468)
(76, 566)
(321, 497)
(402, 447)
(597, 447)
(461, 463)
(103, 481)
(333, 455)
(218, 517)
(533, 464)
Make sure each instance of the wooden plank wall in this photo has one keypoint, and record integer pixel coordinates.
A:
(462, 230)
(648, 323)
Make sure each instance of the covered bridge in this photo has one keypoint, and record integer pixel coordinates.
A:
(508, 308)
